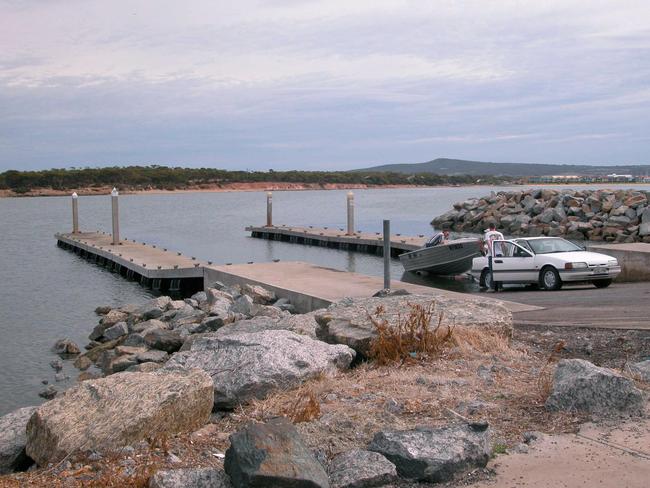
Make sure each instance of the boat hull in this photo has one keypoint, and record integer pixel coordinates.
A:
(454, 257)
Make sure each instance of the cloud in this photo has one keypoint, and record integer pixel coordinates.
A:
(332, 82)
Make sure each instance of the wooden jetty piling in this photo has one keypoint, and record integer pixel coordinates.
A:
(116, 221)
(75, 213)
(350, 213)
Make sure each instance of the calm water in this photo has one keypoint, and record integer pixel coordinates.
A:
(47, 293)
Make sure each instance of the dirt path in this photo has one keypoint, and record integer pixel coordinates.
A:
(598, 455)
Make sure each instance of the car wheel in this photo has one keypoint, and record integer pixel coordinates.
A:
(602, 283)
(550, 279)
(486, 279)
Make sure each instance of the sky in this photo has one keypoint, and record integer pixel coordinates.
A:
(322, 85)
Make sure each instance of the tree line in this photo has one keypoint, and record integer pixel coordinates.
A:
(167, 178)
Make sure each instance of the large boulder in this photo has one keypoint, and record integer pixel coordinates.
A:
(118, 330)
(580, 385)
(118, 410)
(304, 324)
(65, 347)
(644, 229)
(112, 318)
(247, 365)
(220, 308)
(187, 317)
(259, 294)
(214, 295)
(13, 439)
(200, 297)
(190, 478)
(107, 321)
(153, 308)
(642, 370)
(163, 340)
(148, 325)
(272, 454)
(361, 469)
(244, 305)
(435, 454)
(347, 322)
(153, 356)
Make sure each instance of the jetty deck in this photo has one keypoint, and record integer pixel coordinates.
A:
(158, 268)
(369, 242)
(307, 286)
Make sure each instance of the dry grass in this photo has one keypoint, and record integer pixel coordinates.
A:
(305, 409)
(545, 377)
(298, 405)
(421, 336)
(411, 338)
(472, 341)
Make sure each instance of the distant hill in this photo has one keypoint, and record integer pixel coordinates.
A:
(445, 166)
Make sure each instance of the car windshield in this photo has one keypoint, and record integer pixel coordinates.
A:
(551, 245)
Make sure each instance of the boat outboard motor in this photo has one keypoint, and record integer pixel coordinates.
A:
(435, 240)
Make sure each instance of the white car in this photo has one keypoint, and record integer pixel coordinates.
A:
(545, 261)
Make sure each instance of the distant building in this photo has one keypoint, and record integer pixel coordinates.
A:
(612, 178)
(615, 177)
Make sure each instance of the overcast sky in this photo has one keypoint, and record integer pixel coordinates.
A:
(329, 84)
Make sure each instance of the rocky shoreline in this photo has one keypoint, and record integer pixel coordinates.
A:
(231, 388)
(620, 216)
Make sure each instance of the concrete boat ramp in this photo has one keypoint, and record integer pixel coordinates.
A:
(307, 286)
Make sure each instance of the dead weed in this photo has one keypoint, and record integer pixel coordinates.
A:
(411, 338)
(545, 377)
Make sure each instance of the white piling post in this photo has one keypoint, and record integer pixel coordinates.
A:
(75, 213)
(269, 209)
(350, 213)
(116, 222)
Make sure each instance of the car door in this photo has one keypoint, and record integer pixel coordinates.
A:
(512, 263)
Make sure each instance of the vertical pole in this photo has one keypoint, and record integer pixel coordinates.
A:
(116, 222)
(269, 209)
(386, 254)
(350, 213)
(75, 213)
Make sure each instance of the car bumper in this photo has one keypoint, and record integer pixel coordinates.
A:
(606, 273)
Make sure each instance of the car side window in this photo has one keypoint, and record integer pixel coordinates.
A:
(504, 249)
(520, 253)
(497, 247)
(523, 243)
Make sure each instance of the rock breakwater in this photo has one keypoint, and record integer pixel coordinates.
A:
(594, 215)
(229, 389)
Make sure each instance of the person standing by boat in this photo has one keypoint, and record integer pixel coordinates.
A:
(491, 235)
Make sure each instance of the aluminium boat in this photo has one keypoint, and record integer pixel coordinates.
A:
(450, 258)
